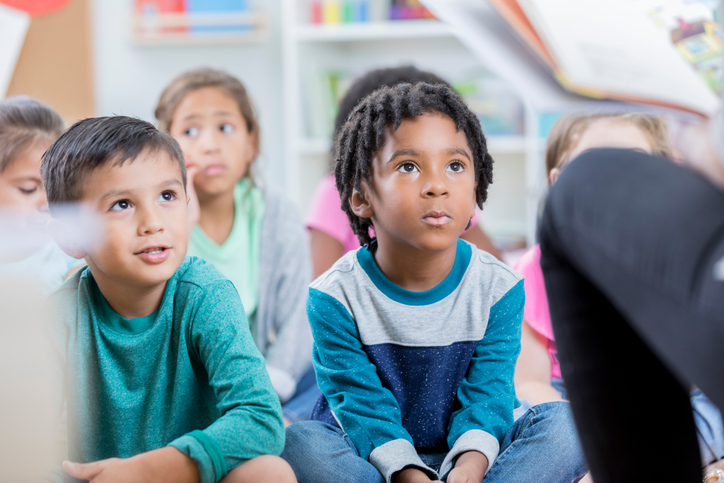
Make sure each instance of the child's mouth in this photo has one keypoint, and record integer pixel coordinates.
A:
(154, 254)
(214, 170)
(437, 218)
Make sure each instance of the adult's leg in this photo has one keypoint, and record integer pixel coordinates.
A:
(542, 445)
(630, 247)
(321, 453)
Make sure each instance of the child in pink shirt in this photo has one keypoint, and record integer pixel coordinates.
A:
(538, 373)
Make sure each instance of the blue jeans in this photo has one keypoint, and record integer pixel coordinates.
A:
(542, 445)
(299, 406)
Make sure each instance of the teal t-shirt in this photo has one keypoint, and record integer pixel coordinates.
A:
(238, 257)
(189, 375)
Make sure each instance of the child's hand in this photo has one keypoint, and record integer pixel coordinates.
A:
(470, 468)
(110, 470)
(157, 466)
(411, 475)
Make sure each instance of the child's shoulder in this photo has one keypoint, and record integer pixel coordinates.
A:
(487, 271)
(199, 275)
(341, 272)
(529, 260)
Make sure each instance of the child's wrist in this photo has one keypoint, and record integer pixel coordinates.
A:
(410, 475)
(474, 461)
(169, 464)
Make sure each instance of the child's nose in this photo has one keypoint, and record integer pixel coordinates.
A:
(150, 223)
(435, 185)
(210, 140)
(42, 205)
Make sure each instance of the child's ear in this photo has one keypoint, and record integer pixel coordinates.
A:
(360, 204)
(254, 140)
(62, 232)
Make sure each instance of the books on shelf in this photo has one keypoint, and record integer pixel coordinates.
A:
(350, 11)
(497, 105)
(194, 19)
(660, 52)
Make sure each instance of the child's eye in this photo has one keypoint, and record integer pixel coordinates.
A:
(456, 167)
(167, 196)
(192, 132)
(120, 205)
(407, 168)
(28, 191)
(227, 128)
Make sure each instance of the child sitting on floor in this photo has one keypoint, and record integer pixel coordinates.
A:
(27, 128)
(162, 379)
(251, 235)
(538, 373)
(417, 332)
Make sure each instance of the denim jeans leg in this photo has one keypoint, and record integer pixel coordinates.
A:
(542, 445)
(320, 453)
(300, 405)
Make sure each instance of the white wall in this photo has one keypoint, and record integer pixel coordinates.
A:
(129, 78)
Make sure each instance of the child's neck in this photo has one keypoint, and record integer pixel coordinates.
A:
(216, 215)
(414, 269)
(130, 301)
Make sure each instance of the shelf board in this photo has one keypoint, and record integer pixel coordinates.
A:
(496, 145)
(387, 30)
(172, 29)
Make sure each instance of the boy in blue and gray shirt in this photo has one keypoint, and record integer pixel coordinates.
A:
(417, 333)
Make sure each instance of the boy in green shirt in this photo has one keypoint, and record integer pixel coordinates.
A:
(162, 380)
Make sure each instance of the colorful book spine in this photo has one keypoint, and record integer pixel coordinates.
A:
(339, 11)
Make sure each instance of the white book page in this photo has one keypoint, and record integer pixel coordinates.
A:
(481, 29)
(612, 47)
(13, 27)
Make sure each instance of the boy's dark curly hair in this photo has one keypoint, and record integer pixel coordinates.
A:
(364, 134)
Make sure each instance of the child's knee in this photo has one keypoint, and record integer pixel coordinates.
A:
(557, 421)
(262, 468)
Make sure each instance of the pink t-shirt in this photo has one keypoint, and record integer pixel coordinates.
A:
(326, 215)
(536, 312)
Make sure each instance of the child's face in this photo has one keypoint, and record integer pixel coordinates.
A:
(607, 133)
(21, 190)
(141, 207)
(423, 185)
(213, 135)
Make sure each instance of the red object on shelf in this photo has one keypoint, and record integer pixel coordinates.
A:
(36, 7)
(316, 11)
(149, 8)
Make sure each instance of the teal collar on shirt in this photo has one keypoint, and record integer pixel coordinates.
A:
(117, 322)
(398, 294)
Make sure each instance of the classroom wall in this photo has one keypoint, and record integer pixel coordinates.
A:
(129, 78)
(55, 63)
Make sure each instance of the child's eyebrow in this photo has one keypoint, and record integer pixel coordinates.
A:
(404, 152)
(461, 152)
(165, 184)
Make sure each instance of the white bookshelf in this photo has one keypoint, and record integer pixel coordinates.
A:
(360, 32)
(427, 44)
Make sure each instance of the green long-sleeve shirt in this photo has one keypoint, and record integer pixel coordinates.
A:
(189, 375)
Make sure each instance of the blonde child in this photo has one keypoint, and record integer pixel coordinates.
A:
(538, 373)
(27, 128)
(253, 236)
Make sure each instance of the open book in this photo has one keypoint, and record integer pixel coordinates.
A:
(662, 52)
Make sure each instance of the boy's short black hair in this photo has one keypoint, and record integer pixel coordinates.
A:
(375, 79)
(95, 142)
(364, 134)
